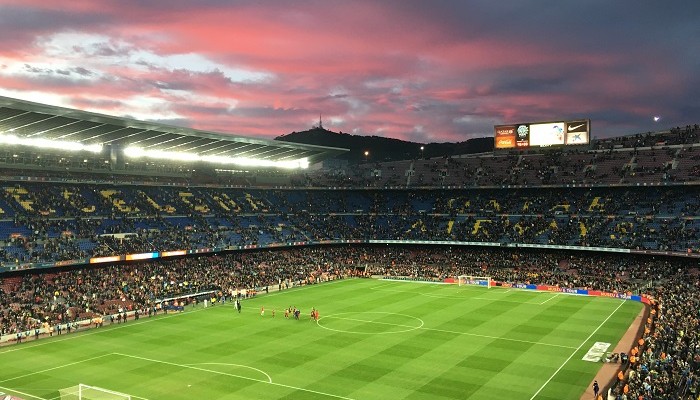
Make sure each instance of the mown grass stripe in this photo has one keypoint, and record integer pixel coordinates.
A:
(466, 347)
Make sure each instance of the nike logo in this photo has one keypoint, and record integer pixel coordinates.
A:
(573, 128)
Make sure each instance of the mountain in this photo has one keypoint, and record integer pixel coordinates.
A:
(385, 149)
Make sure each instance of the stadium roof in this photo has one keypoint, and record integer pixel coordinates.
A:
(33, 120)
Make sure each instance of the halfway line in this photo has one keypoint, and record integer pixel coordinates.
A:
(455, 332)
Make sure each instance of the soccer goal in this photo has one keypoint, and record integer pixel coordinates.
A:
(463, 280)
(86, 392)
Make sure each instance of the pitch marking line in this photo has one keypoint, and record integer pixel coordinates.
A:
(76, 394)
(22, 393)
(445, 331)
(408, 327)
(95, 331)
(53, 368)
(440, 296)
(556, 295)
(143, 320)
(233, 375)
(269, 379)
(383, 285)
(577, 349)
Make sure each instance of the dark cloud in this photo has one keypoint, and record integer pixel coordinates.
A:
(203, 110)
(36, 70)
(82, 71)
(53, 82)
(92, 103)
(104, 49)
(185, 123)
(21, 25)
(269, 112)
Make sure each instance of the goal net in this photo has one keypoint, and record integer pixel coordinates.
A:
(472, 280)
(86, 392)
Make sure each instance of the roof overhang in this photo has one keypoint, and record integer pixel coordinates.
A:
(34, 120)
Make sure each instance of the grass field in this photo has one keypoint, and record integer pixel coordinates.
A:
(375, 340)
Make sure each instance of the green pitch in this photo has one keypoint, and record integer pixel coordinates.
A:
(374, 340)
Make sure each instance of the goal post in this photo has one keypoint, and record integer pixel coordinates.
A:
(87, 392)
(473, 280)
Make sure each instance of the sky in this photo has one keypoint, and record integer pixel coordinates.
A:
(418, 70)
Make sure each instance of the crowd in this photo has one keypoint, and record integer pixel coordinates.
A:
(30, 299)
(69, 222)
(675, 136)
(666, 362)
(628, 160)
(666, 366)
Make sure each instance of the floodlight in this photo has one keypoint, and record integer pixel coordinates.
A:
(136, 152)
(11, 139)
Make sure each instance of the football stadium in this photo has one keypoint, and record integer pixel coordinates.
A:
(146, 261)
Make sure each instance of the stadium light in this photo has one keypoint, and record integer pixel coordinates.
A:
(48, 144)
(137, 152)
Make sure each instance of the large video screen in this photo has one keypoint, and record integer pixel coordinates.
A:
(547, 134)
(542, 134)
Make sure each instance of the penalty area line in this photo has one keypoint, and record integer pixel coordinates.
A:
(233, 375)
(22, 393)
(53, 368)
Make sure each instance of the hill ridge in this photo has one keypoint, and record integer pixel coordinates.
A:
(384, 149)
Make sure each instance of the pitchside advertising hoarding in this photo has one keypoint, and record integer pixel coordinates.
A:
(542, 134)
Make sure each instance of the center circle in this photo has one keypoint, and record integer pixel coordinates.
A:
(396, 322)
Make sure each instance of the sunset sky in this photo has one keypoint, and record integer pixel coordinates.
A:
(426, 71)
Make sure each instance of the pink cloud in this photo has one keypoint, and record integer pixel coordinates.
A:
(403, 70)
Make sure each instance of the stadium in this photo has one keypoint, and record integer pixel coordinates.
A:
(146, 261)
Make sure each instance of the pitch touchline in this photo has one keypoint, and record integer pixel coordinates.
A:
(94, 331)
(232, 375)
(455, 332)
(576, 350)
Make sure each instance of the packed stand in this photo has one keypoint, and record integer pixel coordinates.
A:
(47, 222)
(31, 299)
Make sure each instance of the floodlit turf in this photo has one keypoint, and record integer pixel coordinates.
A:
(375, 340)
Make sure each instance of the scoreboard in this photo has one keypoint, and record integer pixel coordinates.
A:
(542, 134)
